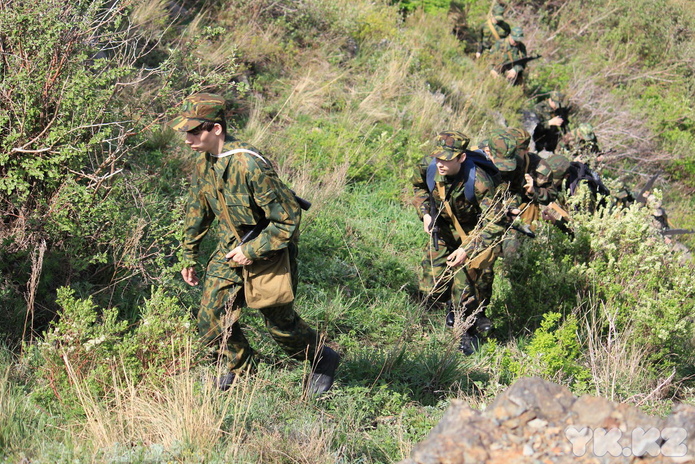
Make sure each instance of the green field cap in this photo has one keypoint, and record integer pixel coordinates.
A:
(449, 145)
(197, 109)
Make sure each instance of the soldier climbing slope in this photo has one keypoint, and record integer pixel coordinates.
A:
(454, 194)
(493, 29)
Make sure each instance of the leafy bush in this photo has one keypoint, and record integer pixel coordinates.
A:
(90, 348)
(554, 351)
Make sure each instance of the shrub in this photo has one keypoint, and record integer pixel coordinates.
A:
(89, 347)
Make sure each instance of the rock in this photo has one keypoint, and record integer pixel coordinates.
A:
(536, 421)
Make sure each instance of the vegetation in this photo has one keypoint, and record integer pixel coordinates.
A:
(100, 361)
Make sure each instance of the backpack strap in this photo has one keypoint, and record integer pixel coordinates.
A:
(241, 150)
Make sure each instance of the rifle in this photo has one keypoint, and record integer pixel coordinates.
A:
(670, 232)
(524, 229)
(642, 195)
(507, 65)
(434, 228)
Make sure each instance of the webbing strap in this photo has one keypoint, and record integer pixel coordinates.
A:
(240, 150)
(492, 28)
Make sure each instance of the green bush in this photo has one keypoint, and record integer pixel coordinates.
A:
(89, 349)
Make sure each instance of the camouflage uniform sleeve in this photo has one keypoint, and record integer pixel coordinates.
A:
(198, 216)
(277, 203)
(546, 115)
(545, 191)
(482, 40)
(421, 194)
(492, 218)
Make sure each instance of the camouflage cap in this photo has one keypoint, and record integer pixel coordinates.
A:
(502, 150)
(559, 164)
(517, 33)
(585, 131)
(197, 109)
(521, 136)
(449, 145)
(498, 11)
(544, 169)
(558, 97)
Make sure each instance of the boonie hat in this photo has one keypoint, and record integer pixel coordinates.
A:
(197, 109)
(449, 145)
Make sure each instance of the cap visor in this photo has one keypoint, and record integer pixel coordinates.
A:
(442, 154)
(505, 164)
(183, 124)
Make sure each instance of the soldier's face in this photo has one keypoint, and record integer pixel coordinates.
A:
(450, 167)
(204, 141)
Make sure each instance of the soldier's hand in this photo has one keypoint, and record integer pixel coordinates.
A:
(189, 276)
(477, 54)
(427, 222)
(511, 74)
(237, 256)
(556, 121)
(528, 186)
(456, 258)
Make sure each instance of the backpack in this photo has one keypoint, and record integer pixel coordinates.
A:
(579, 172)
(474, 159)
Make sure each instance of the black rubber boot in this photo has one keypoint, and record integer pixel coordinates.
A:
(483, 326)
(321, 378)
(450, 316)
(226, 381)
(469, 343)
(450, 319)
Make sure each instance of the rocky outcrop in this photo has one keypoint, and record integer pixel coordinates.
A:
(536, 421)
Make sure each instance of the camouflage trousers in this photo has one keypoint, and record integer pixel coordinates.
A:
(441, 283)
(219, 327)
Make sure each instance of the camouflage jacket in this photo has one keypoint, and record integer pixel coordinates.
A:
(545, 190)
(469, 214)
(252, 190)
(513, 182)
(503, 51)
(487, 38)
(545, 113)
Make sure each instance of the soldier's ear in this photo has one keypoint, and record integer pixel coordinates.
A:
(217, 129)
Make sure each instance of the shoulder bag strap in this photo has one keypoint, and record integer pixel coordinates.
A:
(223, 204)
(240, 150)
(459, 229)
(492, 28)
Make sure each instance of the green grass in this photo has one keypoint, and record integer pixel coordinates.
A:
(346, 96)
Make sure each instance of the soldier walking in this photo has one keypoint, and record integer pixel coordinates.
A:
(453, 194)
(233, 183)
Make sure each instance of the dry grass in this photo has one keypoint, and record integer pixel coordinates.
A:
(185, 410)
(615, 361)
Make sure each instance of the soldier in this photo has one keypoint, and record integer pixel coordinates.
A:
(493, 29)
(539, 188)
(553, 122)
(454, 191)
(581, 145)
(235, 184)
(509, 50)
(500, 148)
